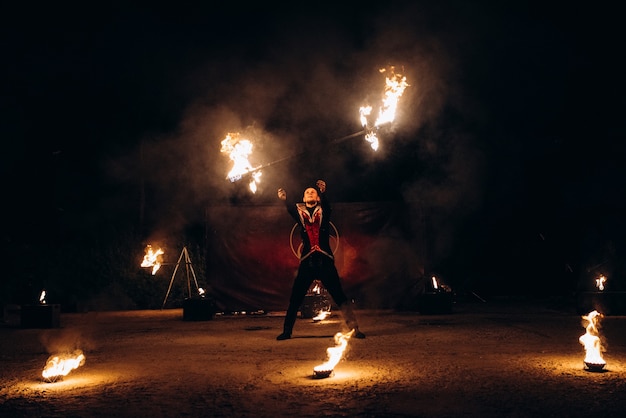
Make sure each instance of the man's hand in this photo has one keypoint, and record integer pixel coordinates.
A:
(321, 185)
(282, 195)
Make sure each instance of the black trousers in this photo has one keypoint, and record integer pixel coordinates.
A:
(320, 267)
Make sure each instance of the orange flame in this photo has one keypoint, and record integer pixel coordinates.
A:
(395, 84)
(394, 88)
(238, 150)
(321, 315)
(152, 259)
(317, 289)
(600, 282)
(591, 339)
(372, 139)
(335, 353)
(59, 366)
(42, 297)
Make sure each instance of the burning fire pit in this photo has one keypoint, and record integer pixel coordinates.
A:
(321, 374)
(592, 343)
(59, 366)
(334, 355)
(316, 300)
(594, 367)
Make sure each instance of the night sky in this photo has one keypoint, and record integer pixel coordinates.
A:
(511, 134)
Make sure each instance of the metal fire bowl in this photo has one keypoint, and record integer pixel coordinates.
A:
(322, 374)
(594, 367)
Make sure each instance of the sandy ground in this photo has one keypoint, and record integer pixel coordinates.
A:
(482, 360)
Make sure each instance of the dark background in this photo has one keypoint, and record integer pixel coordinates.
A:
(509, 138)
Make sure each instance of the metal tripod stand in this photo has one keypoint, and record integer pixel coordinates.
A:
(188, 269)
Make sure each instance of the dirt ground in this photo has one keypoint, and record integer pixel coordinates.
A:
(502, 359)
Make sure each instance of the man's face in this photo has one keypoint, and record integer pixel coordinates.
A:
(310, 196)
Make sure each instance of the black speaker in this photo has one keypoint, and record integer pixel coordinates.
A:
(198, 309)
(40, 316)
(435, 303)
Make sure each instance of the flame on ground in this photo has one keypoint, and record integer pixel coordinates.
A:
(591, 339)
(61, 365)
(152, 259)
(334, 353)
(321, 315)
(238, 150)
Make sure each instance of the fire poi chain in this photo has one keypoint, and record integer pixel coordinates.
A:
(239, 149)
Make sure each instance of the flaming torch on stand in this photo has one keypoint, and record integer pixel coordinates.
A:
(59, 366)
(600, 280)
(334, 356)
(592, 343)
(152, 259)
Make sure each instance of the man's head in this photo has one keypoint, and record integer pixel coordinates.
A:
(311, 197)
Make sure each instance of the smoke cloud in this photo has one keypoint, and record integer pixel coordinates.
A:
(295, 93)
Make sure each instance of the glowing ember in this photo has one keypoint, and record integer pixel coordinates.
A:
(238, 150)
(591, 341)
(152, 259)
(600, 282)
(395, 84)
(42, 297)
(334, 355)
(60, 366)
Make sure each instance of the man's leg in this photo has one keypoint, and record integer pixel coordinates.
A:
(298, 292)
(350, 318)
(332, 283)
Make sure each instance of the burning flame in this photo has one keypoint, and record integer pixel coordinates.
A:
(372, 139)
(600, 282)
(394, 88)
(435, 284)
(321, 315)
(395, 84)
(591, 339)
(152, 259)
(238, 150)
(334, 353)
(42, 297)
(60, 366)
(317, 289)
